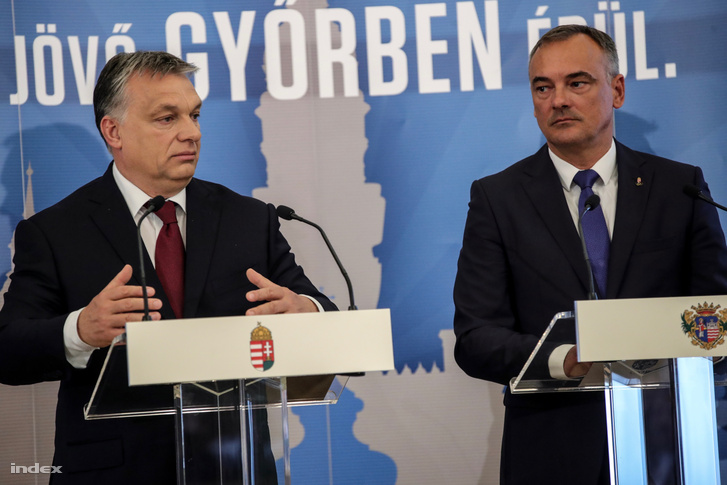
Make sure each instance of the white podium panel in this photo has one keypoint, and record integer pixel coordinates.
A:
(651, 328)
(266, 346)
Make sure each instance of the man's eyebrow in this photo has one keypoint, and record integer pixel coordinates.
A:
(173, 108)
(540, 79)
(585, 74)
(573, 75)
(165, 107)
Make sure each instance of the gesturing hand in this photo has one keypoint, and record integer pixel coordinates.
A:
(279, 298)
(106, 316)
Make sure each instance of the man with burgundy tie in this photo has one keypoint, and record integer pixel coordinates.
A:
(208, 252)
(522, 261)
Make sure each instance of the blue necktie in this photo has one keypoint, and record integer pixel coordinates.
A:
(595, 231)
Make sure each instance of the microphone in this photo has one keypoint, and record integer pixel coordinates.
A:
(591, 203)
(288, 214)
(152, 205)
(694, 192)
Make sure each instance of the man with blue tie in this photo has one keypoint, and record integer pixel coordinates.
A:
(522, 262)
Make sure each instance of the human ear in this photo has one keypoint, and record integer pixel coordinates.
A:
(110, 131)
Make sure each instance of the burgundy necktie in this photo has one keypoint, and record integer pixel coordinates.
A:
(169, 258)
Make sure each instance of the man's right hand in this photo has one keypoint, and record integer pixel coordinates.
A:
(106, 316)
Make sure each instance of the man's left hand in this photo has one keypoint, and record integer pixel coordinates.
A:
(279, 299)
(572, 367)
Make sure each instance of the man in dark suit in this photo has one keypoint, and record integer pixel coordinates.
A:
(521, 260)
(75, 282)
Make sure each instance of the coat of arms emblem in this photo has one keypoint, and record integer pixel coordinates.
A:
(705, 324)
(262, 353)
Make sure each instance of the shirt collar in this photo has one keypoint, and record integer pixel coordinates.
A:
(605, 167)
(136, 198)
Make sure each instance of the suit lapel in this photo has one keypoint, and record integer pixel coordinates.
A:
(112, 217)
(543, 187)
(634, 185)
(203, 217)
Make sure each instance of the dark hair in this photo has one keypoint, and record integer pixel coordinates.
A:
(564, 32)
(109, 96)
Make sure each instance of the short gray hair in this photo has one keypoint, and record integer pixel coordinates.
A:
(565, 32)
(109, 96)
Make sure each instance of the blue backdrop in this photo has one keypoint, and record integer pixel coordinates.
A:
(448, 102)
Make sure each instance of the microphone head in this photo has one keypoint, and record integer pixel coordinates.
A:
(155, 204)
(692, 191)
(285, 212)
(592, 202)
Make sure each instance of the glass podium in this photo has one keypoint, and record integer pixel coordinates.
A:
(233, 431)
(661, 420)
(222, 427)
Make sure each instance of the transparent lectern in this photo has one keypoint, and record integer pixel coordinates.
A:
(230, 381)
(657, 361)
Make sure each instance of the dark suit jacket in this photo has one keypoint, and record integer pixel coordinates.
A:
(66, 254)
(521, 263)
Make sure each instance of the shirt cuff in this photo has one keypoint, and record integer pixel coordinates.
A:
(77, 351)
(315, 302)
(556, 360)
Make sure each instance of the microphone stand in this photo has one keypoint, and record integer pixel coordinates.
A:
(152, 206)
(287, 213)
(590, 204)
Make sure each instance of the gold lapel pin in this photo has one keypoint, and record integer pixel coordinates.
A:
(639, 183)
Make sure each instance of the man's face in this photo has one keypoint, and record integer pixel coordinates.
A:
(156, 144)
(574, 97)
